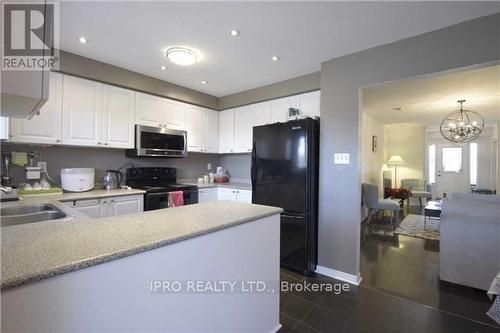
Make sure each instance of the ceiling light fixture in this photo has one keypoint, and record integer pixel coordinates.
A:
(181, 56)
(83, 40)
(163, 68)
(275, 58)
(462, 126)
(234, 33)
(203, 82)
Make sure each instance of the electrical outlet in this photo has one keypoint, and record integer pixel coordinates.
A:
(209, 166)
(42, 166)
(341, 158)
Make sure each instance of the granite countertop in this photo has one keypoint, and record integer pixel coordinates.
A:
(36, 251)
(93, 194)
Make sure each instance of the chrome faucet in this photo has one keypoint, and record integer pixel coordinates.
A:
(6, 189)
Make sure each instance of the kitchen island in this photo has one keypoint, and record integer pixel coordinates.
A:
(142, 272)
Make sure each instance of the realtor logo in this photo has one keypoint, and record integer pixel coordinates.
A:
(30, 36)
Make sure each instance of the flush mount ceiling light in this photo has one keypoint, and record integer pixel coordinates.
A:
(462, 126)
(163, 68)
(234, 33)
(181, 56)
(203, 82)
(275, 58)
(83, 40)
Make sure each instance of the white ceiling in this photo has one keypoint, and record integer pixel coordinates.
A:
(428, 100)
(304, 34)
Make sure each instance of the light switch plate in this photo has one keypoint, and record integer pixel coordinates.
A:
(341, 158)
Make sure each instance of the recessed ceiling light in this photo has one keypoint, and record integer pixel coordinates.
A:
(163, 68)
(203, 82)
(83, 40)
(234, 33)
(181, 56)
(275, 58)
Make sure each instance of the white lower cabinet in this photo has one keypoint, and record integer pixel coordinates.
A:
(207, 194)
(234, 194)
(110, 206)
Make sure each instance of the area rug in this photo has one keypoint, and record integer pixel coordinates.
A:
(413, 226)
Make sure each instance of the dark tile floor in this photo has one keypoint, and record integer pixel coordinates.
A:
(409, 267)
(363, 309)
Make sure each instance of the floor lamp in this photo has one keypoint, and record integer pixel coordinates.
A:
(396, 160)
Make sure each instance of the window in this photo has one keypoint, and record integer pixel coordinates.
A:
(432, 164)
(473, 163)
(452, 159)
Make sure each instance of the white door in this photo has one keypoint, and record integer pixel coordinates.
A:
(309, 103)
(174, 114)
(452, 171)
(123, 205)
(279, 109)
(82, 111)
(261, 113)
(118, 117)
(94, 208)
(243, 120)
(226, 194)
(193, 127)
(210, 131)
(148, 110)
(244, 196)
(226, 131)
(46, 125)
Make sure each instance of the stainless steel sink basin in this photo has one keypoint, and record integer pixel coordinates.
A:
(26, 209)
(29, 214)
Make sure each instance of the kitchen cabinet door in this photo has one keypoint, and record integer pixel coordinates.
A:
(124, 205)
(243, 120)
(118, 117)
(46, 125)
(244, 196)
(261, 113)
(174, 114)
(148, 110)
(309, 103)
(4, 128)
(207, 194)
(226, 194)
(82, 112)
(94, 208)
(210, 131)
(279, 109)
(226, 131)
(193, 128)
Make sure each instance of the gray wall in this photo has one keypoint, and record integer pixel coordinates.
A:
(99, 71)
(297, 85)
(58, 157)
(238, 165)
(469, 43)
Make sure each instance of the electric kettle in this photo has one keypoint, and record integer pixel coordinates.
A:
(112, 179)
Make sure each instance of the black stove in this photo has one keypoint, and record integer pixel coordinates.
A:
(158, 182)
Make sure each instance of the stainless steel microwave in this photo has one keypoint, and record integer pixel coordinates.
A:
(158, 142)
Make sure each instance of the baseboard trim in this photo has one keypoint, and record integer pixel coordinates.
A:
(339, 275)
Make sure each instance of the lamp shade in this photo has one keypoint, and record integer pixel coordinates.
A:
(396, 160)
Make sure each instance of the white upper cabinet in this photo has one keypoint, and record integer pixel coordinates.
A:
(46, 125)
(148, 110)
(118, 117)
(279, 109)
(82, 112)
(174, 114)
(4, 128)
(193, 118)
(226, 131)
(210, 131)
(309, 103)
(245, 118)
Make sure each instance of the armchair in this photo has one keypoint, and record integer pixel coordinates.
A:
(418, 188)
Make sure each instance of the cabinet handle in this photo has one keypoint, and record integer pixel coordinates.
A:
(58, 140)
(112, 201)
(106, 144)
(98, 143)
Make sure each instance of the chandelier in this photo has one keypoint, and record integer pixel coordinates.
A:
(462, 126)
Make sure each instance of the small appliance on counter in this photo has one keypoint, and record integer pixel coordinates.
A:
(158, 183)
(77, 179)
(112, 179)
(8, 192)
(221, 175)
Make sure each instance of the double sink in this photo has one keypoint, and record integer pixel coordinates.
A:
(29, 214)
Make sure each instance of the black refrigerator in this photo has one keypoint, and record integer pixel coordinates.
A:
(285, 159)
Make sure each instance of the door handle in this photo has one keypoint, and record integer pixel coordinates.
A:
(292, 216)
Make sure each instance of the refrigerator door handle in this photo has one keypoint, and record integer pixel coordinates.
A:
(253, 170)
(292, 216)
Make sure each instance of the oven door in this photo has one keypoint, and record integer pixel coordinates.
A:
(158, 141)
(160, 200)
